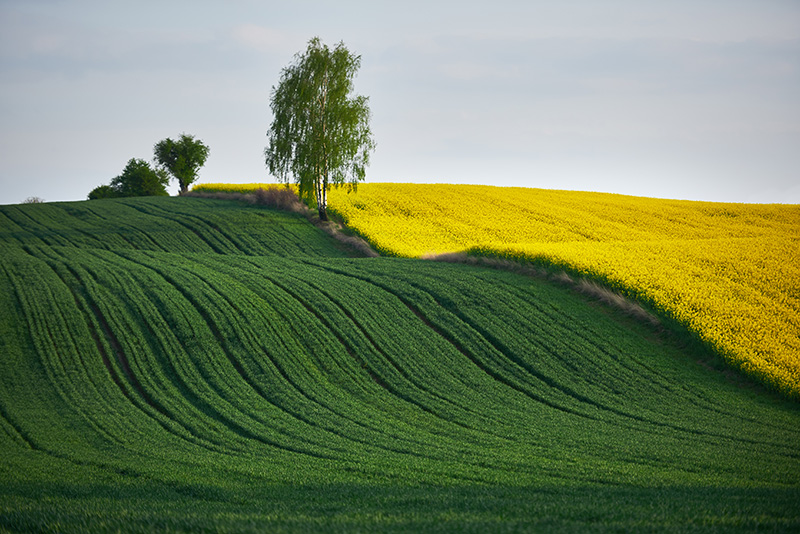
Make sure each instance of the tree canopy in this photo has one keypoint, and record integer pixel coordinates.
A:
(320, 135)
(138, 179)
(182, 158)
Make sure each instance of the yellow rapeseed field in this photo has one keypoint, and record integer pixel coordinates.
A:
(234, 188)
(729, 272)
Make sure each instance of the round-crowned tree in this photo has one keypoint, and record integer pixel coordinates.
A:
(182, 158)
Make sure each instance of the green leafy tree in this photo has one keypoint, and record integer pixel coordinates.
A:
(320, 135)
(138, 179)
(182, 158)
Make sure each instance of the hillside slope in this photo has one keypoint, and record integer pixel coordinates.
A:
(184, 363)
(729, 273)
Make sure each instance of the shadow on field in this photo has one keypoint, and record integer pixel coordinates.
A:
(378, 508)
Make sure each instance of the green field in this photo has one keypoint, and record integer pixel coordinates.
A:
(186, 364)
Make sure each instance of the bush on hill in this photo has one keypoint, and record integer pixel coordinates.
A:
(138, 179)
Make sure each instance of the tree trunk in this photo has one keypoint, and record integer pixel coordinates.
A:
(322, 199)
(323, 204)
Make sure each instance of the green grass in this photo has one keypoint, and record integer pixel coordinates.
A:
(187, 364)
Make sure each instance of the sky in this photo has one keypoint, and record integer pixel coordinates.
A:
(685, 99)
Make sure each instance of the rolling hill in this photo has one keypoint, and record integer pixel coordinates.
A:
(190, 364)
(728, 273)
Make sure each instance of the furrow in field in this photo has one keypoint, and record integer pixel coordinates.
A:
(97, 322)
(131, 233)
(215, 305)
(643, 389)
(263, 231)
(147, 343)
(119, 413)
(74, 227)
(348, 375)
(32, 225)
(210, 241)
(677, 420)
(461, 397)
(636, 367)
(358, 351)
(212, 373)
(457, 436)
(142, 372)
(534, 425)
(636, 391)
(204, 228)
(62, 342)
(341, 403)
(11, 232)
(556, 344)
(432, 384)
(24, 379)
(14, 431)
(483, 353)
(168, 233)
(165, 411)
(249, 238)
(249, 232)
(101, 419)
(548, 362)
(101, 323)
(70, 416)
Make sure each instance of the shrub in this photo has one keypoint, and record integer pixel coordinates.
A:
(103, 191)
(138, 179)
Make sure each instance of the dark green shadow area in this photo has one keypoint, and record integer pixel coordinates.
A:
(377, 508)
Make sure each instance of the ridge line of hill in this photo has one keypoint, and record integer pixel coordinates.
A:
(287, 200)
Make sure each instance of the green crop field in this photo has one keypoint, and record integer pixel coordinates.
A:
(197, 365)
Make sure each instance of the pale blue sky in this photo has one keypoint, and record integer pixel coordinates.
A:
(678, 99)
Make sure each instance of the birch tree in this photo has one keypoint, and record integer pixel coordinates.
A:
(320, 135)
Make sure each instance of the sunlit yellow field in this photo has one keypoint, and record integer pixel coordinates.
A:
(729, 272)
(235, 188)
